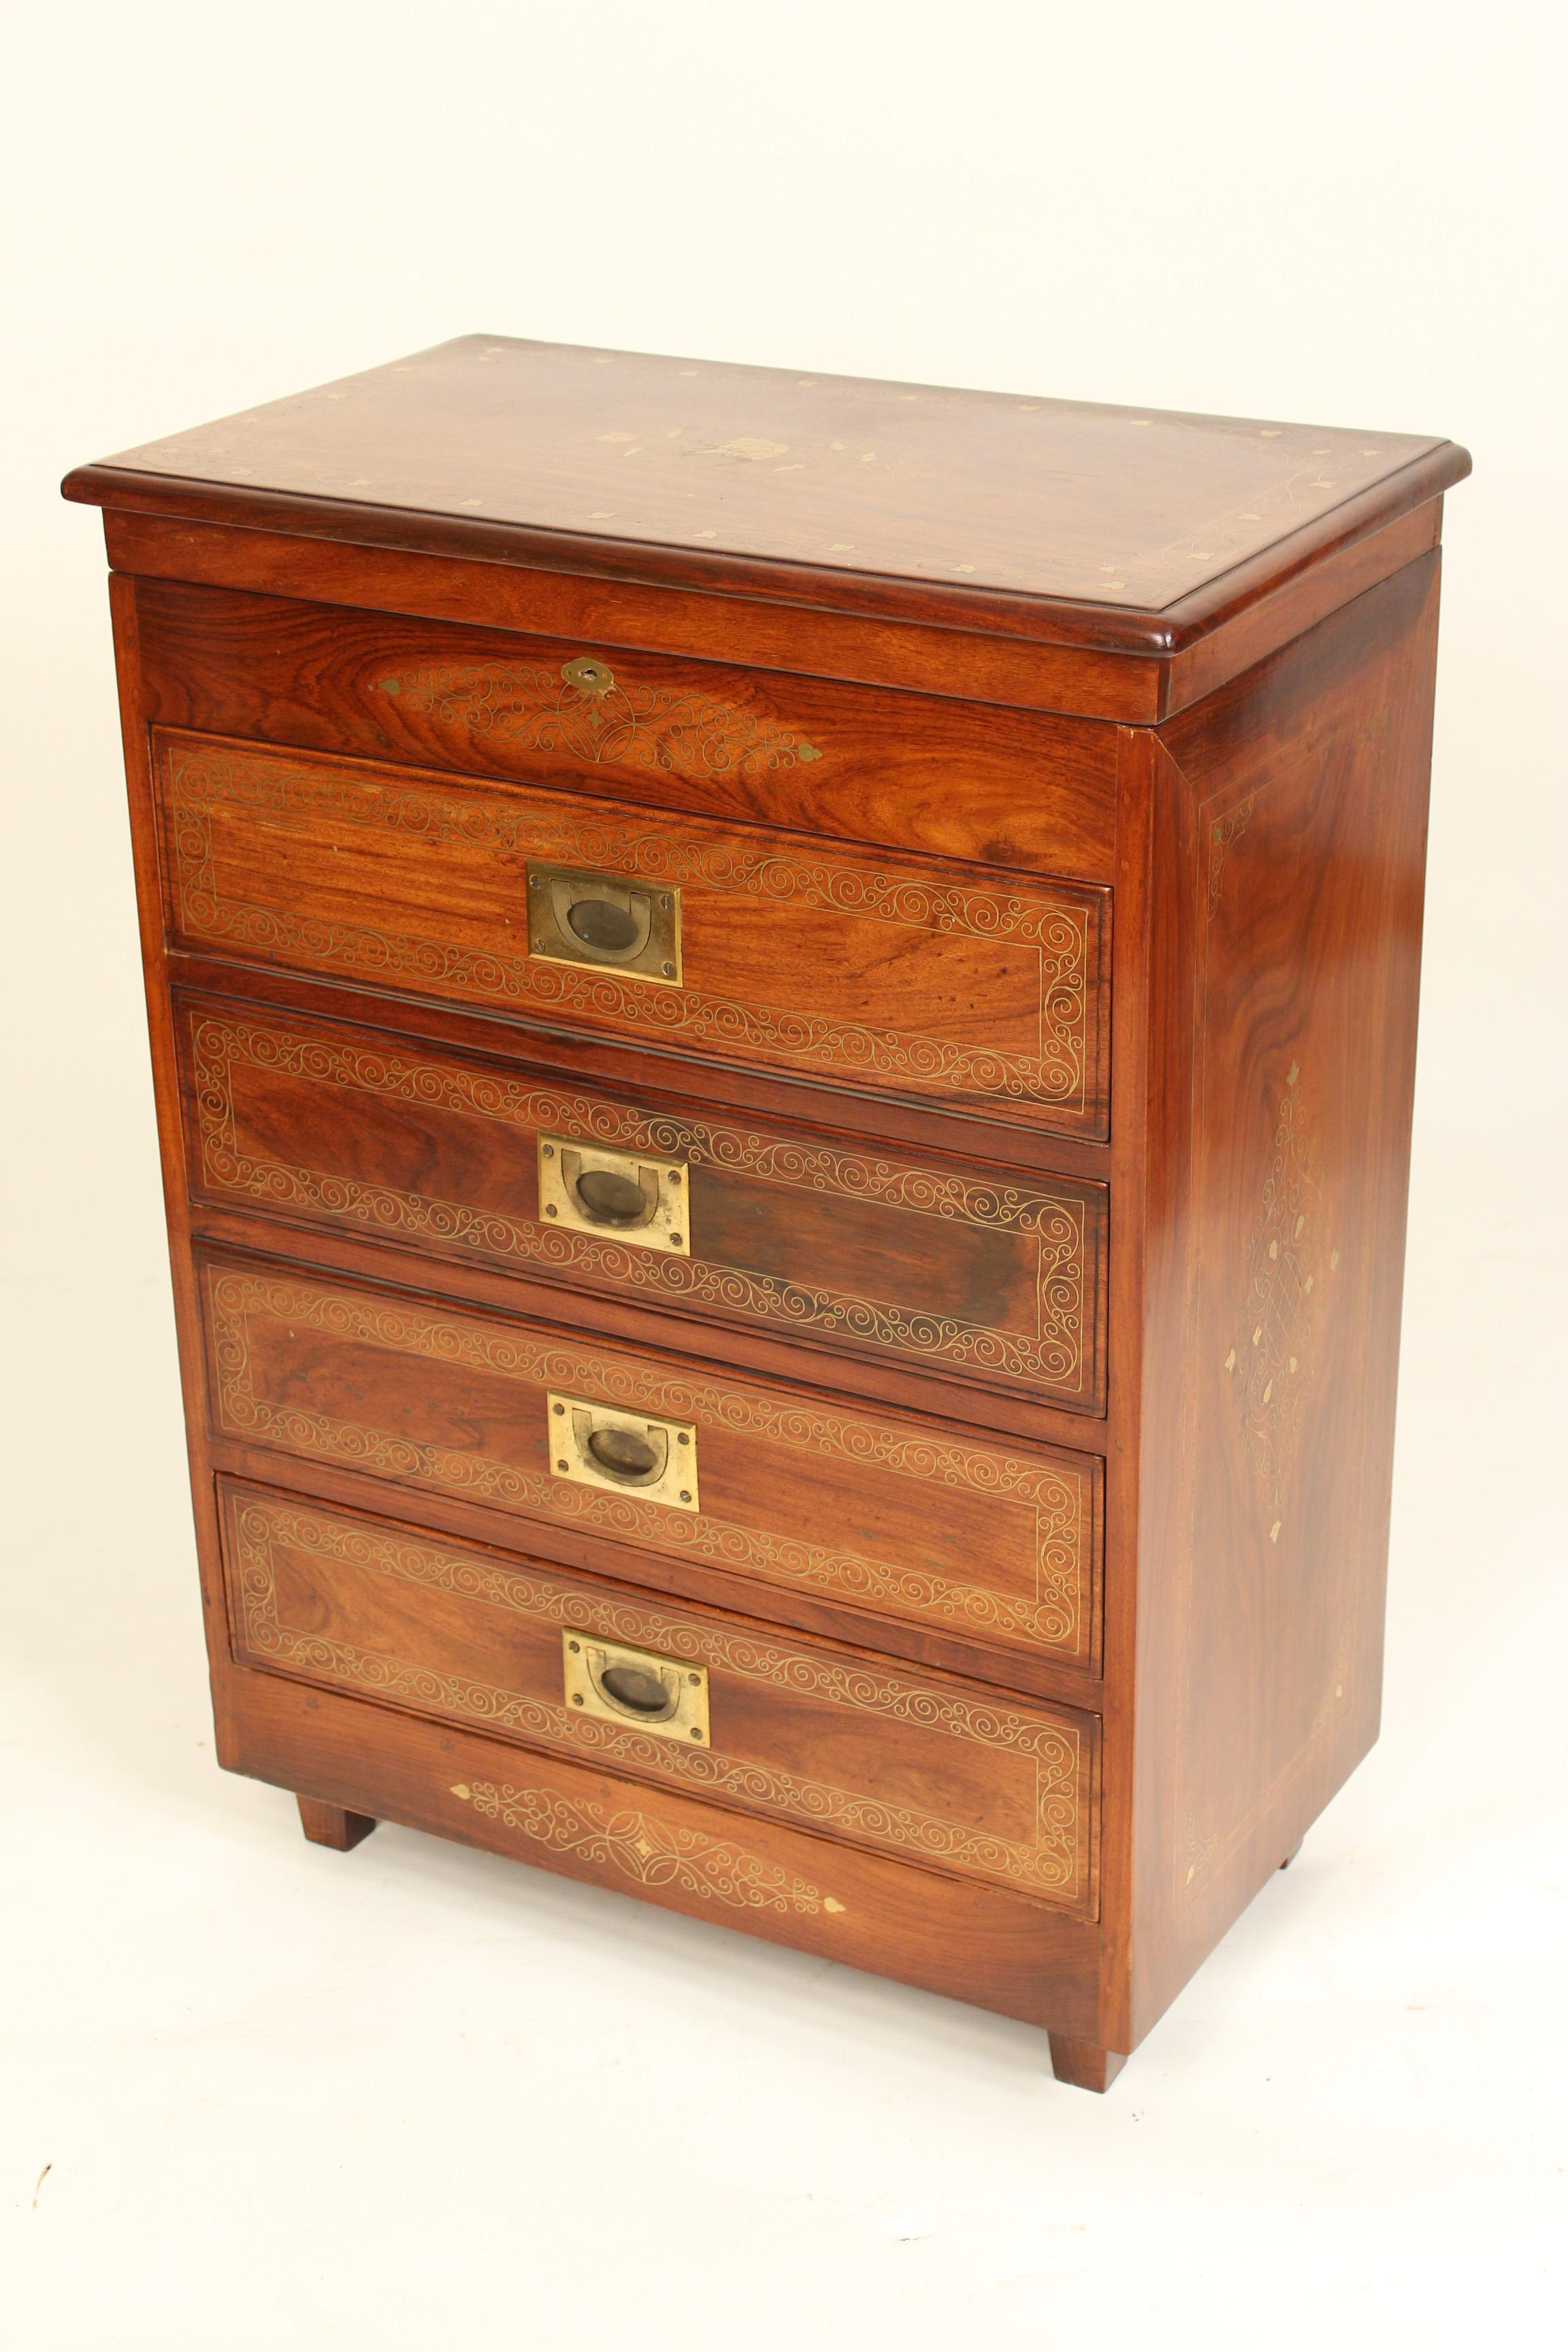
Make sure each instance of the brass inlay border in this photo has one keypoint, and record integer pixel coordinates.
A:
(200, 778)
(1059, 1353)
(1271, 1359)
(650, 1851)
(583, 712)
(1057, 1616)
(1054, 1865)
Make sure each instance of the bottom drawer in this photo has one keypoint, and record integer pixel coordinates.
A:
(925, 1769)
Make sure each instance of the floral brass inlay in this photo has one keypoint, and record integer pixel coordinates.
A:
(1056, 1353)
(584, 710)
(651, 1851)
(1057, 1613)
(1271, 1360)
(1053, 1863)
(278, 792)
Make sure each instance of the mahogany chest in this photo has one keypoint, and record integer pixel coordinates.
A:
(783, 1013)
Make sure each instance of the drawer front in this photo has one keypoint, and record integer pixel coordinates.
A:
(749, 947)
(995, 1282)
(1013, 788)
(928, 1771)
(970, 1537)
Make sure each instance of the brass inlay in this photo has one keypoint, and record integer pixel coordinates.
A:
(620, 1196)
(1223, 831)
(1062, 927)
(586, 712)
(623, 1452)
(1057, 1496)
(1059, 1353)
(1271, 1358)
(666, 1697)
(650, 1850)
(600, 921)
(1054, 1861)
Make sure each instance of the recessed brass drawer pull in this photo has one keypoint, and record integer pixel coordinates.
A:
(637, 1198)
(629, 1453)
(668, 1697)
(602, 920)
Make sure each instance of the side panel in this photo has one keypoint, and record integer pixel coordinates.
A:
(1289, 844)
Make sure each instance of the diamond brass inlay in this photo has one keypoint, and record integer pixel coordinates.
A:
(646, 1848)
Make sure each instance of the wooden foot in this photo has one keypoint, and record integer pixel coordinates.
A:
(331, 1825)
(1293, 1853)
(1084, 2063)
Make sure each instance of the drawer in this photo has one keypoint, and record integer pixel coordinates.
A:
(995, 1543)
(923, 1768)
(1001, 787)
(993, 1281)
(901, 977)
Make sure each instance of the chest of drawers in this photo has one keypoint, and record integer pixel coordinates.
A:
(783, 1020)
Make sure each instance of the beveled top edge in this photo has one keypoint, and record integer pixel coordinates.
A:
(1037, 486)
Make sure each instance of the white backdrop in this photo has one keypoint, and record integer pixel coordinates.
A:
(417, 2097)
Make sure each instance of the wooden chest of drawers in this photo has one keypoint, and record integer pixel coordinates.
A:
(783, 1018)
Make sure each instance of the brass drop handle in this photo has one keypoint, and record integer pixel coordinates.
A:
(632, 1457)
(618, 1198)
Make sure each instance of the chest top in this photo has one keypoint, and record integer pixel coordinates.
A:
(1120, 528)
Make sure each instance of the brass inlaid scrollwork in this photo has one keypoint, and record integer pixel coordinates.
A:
(1057, 1613)
(1053, 1863)
(650, 1851)
(1059, 1352)
(1061, 930)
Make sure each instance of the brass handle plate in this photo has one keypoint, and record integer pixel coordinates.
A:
(622, 1453)
(604, 922)
(630, 1196)
(666, 1697)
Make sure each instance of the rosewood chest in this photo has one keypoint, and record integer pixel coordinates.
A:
(783, 1013)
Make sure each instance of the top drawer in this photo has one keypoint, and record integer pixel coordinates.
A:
(903, 977)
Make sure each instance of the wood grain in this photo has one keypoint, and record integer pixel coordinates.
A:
(924, 772)
(909, 501)
(997, 1543)
(330, 1825)
(934, 1773)
(947, 1271)
(917, 981)
(1283, 1067)
(970, 1940)
(362, 716)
